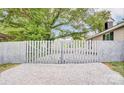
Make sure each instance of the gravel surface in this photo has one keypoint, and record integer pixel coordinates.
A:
(76, 74)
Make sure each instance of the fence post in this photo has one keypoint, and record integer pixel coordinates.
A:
(61, 55)
(1, 53)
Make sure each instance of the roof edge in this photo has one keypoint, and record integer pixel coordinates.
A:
(108, 30)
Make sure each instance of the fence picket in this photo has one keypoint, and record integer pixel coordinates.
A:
(95, 51)
(43, 52)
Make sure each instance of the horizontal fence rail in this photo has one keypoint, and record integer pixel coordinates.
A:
(61, 52)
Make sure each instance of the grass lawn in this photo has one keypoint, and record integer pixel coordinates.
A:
(116, 66)
(4, 67)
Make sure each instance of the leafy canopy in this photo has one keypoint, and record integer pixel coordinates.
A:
(50, 23)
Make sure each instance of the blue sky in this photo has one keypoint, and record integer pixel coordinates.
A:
(117, 13)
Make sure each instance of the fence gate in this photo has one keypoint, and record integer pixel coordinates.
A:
(43, 52)
(61, 52)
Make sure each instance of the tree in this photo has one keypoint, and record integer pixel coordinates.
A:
(47, 24)
(97, 20)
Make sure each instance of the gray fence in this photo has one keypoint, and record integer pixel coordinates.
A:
(61, 52)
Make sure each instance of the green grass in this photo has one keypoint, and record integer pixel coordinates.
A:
(4, 67)
(116, 66)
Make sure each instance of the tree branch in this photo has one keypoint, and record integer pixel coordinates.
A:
(56, 17)
(59, 25)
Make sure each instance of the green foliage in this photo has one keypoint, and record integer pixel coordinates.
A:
(37, 24)
(98, 19)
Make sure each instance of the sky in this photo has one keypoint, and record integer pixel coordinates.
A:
(117, 13)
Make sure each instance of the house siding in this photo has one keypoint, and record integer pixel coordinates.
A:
(118, 35)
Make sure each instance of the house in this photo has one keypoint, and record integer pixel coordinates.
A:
(111, 32)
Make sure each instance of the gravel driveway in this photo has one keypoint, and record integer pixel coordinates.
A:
(92, 73)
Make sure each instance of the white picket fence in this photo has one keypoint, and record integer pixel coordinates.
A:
(61, 52)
